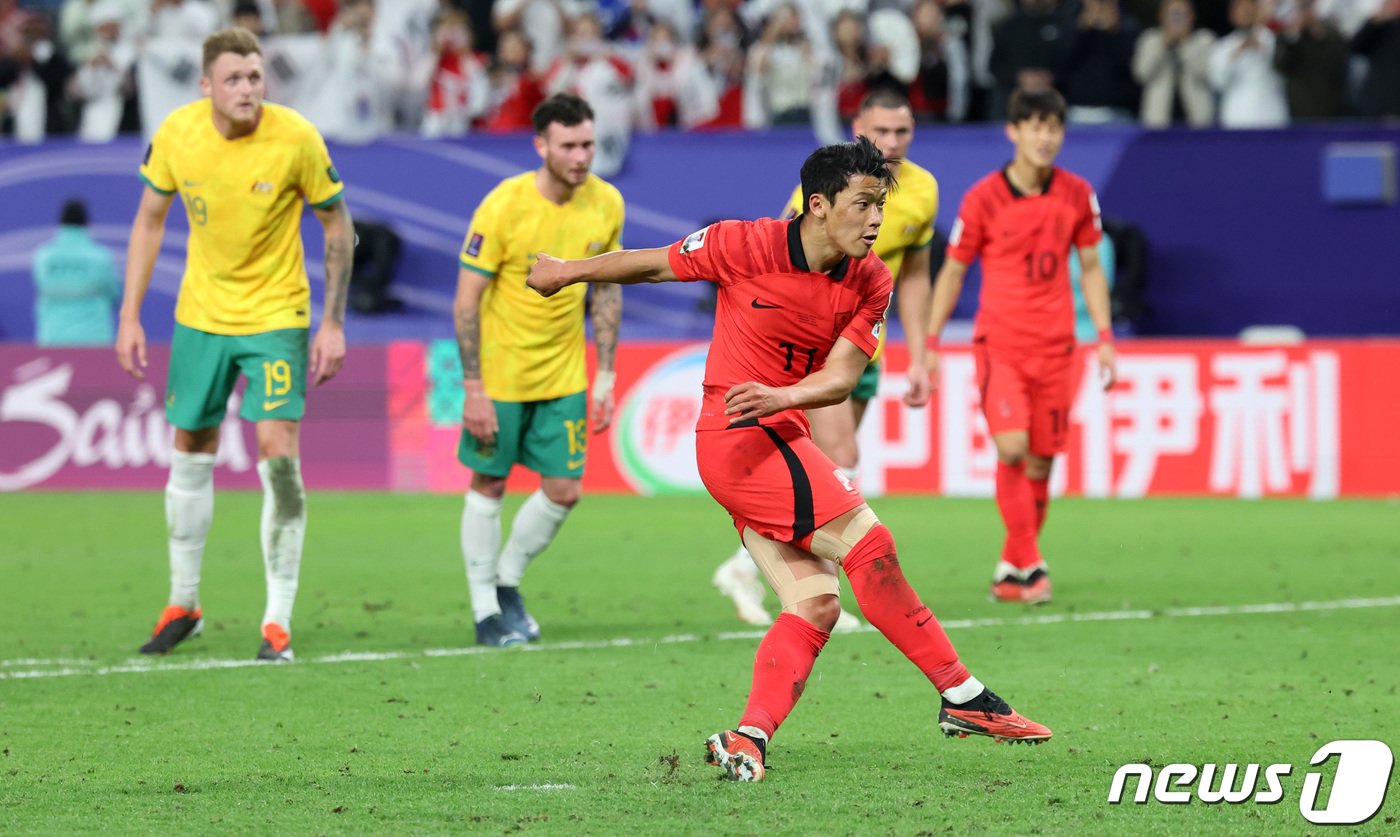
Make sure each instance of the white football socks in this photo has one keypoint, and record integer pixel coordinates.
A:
(754, 732)
(481, 545)
(283, 533)
(189, 509)
(533, 529)
(964, 691)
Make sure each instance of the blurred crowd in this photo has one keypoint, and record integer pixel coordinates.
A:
(362, 68)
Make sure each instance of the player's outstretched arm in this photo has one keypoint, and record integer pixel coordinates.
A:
(147, 230)
(946, 289)
(915, 292)
(829, 385)
(328, 348)
(1094, 282)
(548, 275)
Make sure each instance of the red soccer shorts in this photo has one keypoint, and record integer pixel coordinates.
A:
(773, 480)
(1026, 392)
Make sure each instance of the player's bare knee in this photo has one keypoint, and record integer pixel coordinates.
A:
(205, 440)
(835, 540)
(566, 493)
(1012, 455)
(489, 486)
(277, 439)
(821, 611)
(1039, 467)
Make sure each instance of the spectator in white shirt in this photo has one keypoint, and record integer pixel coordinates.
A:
(1242, 71)
(104, 83)
(186, 19)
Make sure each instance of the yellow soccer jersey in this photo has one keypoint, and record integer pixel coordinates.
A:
(532, 348)
(244, 272)
(909, 213)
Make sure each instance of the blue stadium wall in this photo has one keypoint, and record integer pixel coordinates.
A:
(1239, 228)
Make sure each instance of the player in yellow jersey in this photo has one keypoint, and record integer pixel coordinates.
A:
(523, 358)
(242, 169)
(903, 245)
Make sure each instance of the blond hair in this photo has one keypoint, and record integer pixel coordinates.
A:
(234, 39)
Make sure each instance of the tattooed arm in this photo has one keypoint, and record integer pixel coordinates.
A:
(328, 349)
(478, 413)
(607, 315)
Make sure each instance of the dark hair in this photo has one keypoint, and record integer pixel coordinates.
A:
(884, 97)
(830, 168)
(246, 7)
(234, 39)
(1028, 104)
(74, 213)
(565, 108)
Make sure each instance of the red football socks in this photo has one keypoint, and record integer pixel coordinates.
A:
(1040, 490)
(892, 606)
(780, 668)
(1016, 500)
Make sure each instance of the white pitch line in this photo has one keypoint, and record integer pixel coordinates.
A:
(547, 787)
(40, 668)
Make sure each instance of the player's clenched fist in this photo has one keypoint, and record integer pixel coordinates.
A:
(547, 275)
(751, 401)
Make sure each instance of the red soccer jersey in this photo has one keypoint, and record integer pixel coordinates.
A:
(1027, 303)
(776, 320)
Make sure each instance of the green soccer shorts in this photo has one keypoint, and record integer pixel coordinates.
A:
(205, 367)
(549, 437)
(869, 383)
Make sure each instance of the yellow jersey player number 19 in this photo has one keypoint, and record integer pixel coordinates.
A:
(242, 168)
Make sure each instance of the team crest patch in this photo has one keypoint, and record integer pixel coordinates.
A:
(694, 241)
(595, 247)
(332, 174)
(474, 244)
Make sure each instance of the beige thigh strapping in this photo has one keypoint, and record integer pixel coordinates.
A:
(835, 548)
(768, 555)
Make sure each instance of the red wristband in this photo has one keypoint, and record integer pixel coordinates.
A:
(1105, 335)
(931, 343)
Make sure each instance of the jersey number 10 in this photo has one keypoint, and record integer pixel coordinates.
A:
(1041, 267)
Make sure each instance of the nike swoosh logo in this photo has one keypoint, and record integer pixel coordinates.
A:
(190, 184)
(924, 621)
(758, 304)
(576, 463)
(272, 405)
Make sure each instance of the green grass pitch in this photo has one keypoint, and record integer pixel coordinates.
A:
(390, 722)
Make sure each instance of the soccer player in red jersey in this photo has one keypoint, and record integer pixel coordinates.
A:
(1022, 222)
(798, 316)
